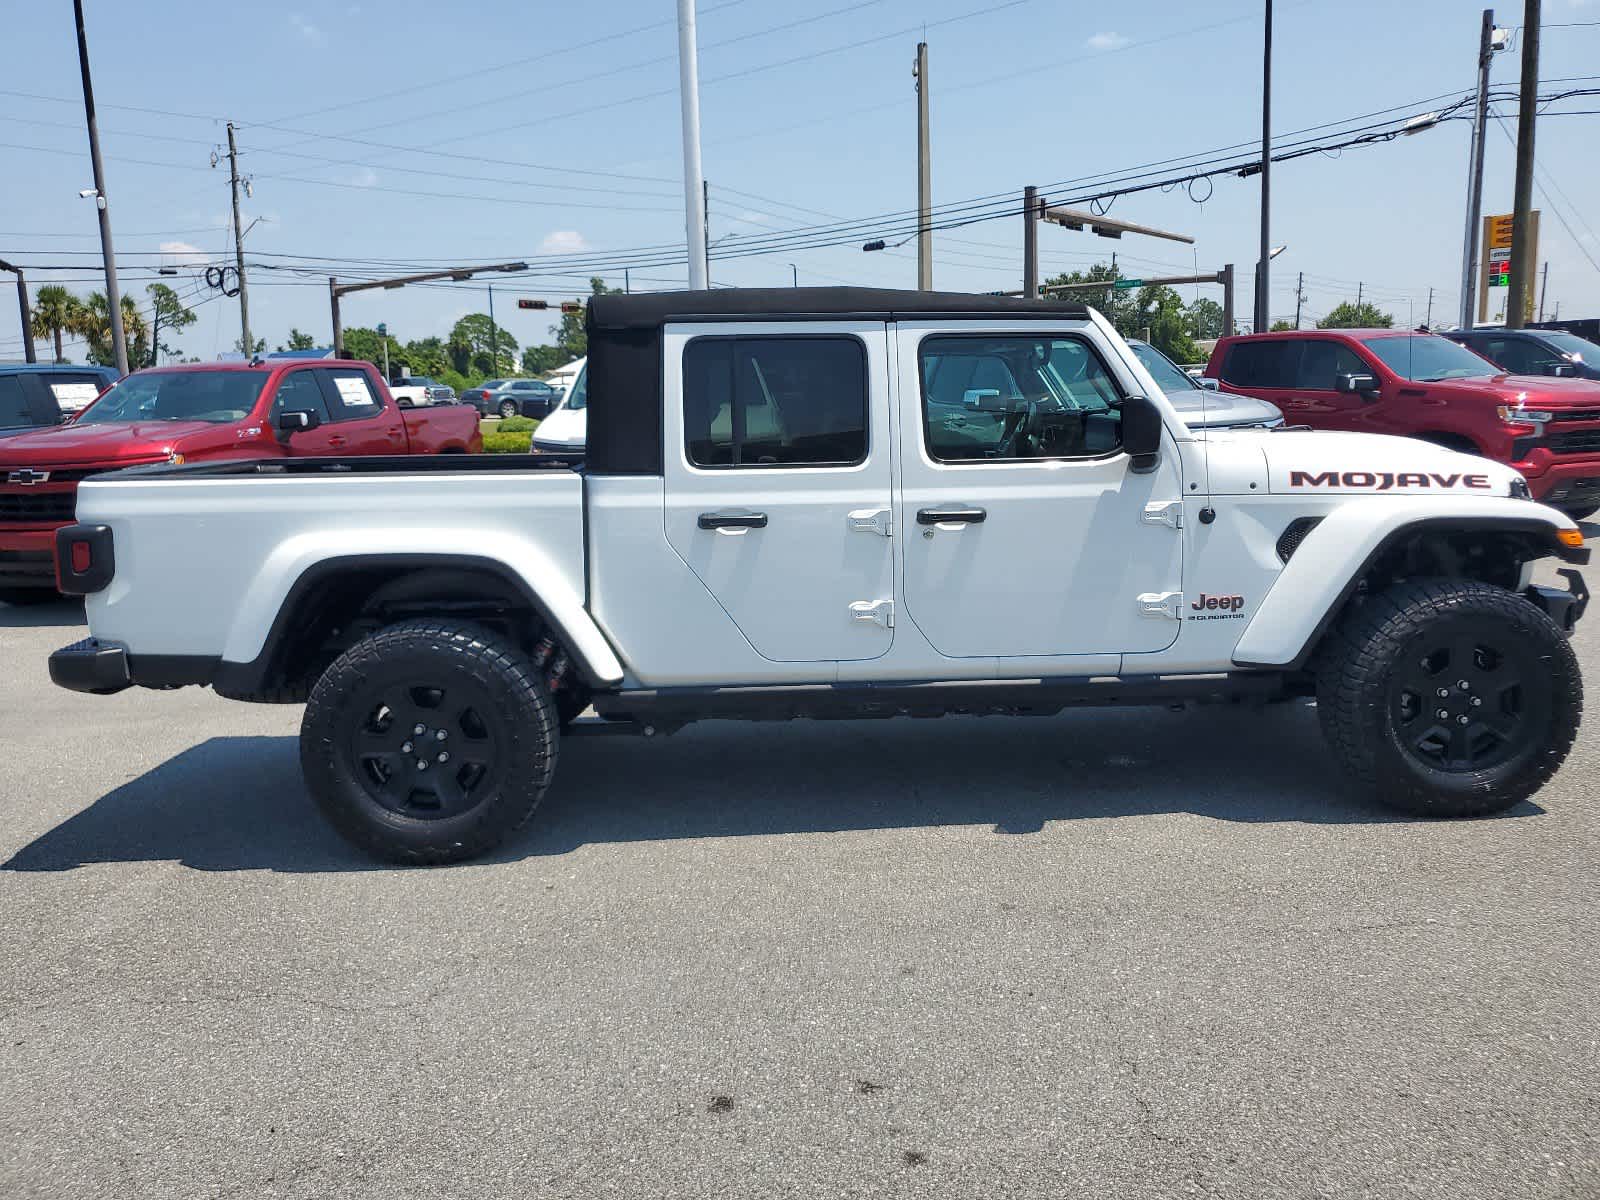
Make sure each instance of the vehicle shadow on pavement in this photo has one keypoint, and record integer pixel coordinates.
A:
(63, 611)
(1012, 775)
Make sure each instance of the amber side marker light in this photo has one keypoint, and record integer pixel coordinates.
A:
(1570, 537)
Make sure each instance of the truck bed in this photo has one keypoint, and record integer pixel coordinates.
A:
(217, 547)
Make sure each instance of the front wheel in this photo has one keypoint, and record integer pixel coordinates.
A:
(1582, 512)
(508, 408)
(1449, 698)
(429, 742)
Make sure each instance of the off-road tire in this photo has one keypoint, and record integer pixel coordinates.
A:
(1359, 675)
(25, 597)
(414, 659)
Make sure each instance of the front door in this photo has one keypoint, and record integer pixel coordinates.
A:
(1027, 531)
(778, 490)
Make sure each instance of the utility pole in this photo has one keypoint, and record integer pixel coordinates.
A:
(22, 304)
(1521, 290)
(924, 176)
(693, 172)
(1428, 320)
(705, 224)
(1030, 242)
(238, 245)
(338, 327)
(1263, 267)
(1360, 287)
(1227, 300)
(119, 339)
(794, 273)
(1299, 297)
(1544, 286)
(494, 337)
(627, 284)
(1480, 129)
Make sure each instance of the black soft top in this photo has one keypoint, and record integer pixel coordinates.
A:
(624, 369)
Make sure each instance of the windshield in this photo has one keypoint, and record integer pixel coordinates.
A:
(1428, 359)
(216, 396)
(1169, 376)
(578, 398)
(1572, 346)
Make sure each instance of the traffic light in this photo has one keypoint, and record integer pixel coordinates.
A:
(571, 306)
(533, 304)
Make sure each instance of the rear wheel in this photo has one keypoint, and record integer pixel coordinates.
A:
(28, 596)
(508, 408)
(429, 742)
(1449, 698)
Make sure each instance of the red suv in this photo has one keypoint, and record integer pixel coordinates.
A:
(1424, 386)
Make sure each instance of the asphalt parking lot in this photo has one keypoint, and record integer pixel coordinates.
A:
(1108, 954)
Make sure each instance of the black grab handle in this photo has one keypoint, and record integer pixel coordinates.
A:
(714, 520)
(950, 516)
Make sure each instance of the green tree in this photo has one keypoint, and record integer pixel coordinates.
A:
(470, 340)
(1153, 312)
(1357, 316)
(56, 312)
(1281, 326)
(96, 330)
(540, 360)
(299, 341)
(571, 339)
(1204, 317)
(364, 344)
(425, 356)
(168, 314)
(259, 348)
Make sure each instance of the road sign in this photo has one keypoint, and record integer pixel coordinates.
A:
(383, 330)
(1123, 285)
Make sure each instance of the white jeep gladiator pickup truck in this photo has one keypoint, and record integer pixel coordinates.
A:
(838, 503)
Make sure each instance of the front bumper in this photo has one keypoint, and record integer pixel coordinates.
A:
(1562, 480)
(1565, 608)
(28, 556)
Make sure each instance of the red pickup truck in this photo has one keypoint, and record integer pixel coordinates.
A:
(202, 413)
(1424, 386)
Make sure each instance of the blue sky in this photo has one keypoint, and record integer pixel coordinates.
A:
(536, 128)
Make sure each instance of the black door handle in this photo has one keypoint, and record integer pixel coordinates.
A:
(748, 520)
(950, 516)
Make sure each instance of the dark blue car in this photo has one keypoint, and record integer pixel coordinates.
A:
(33, 395)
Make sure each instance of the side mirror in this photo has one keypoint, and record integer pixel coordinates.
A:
(297, 422)
(1357, 383)
(1210, 384)
(1141, 433)
(983, 399)
(1561, 370)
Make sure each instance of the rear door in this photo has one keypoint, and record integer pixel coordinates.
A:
(1028, 533)
(778, 487)
(362, 423)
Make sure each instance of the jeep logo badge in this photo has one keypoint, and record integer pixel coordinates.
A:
(27, 477)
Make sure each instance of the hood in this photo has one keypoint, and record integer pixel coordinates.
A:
(1533, 391)
(111, 444)
(1306, 462)
(1201, 408)
(563, 426)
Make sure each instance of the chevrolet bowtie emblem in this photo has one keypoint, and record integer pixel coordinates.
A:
(27, 477)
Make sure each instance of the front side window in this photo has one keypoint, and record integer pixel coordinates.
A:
(218, 397)
(72, 392)
(997, 398)
(578, 398)
(1574, 347)
(1323, 361)
(1427, 358)
(775, 401)
(299, 392)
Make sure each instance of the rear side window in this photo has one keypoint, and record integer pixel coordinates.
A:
(1265, 364)
(775, 402)
(14, 411)
(352, 397)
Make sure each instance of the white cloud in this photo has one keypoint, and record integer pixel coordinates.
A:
(1108, 41)
(182, 254)
(563, 241)
(365, 178)
(307, 30)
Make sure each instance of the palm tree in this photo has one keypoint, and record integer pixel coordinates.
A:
(96, 328)
(56, 311)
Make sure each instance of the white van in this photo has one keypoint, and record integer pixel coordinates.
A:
(566, 428)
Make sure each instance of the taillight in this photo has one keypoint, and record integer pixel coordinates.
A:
(85, 561)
